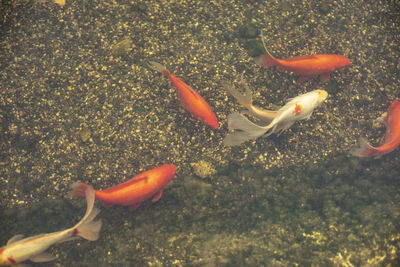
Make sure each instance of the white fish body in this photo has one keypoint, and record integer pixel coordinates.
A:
(33, 248)
(299, 108)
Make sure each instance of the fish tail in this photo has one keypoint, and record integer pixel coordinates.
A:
(87, 228)
(157, 66)
(236, 138)
(266, 60)
(236, 121)
(364, 149)
(243, 99)
(79, 189)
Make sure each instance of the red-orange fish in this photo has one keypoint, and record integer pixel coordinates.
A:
(132, 193)
(190, 99)
(391, 119)
(306, 66)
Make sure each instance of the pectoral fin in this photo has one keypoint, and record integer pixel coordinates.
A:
(134, 206)
(305, 78)
(325, 77)
(43, 257)
(157, 196)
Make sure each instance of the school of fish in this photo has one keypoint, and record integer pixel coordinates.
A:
(150, 184)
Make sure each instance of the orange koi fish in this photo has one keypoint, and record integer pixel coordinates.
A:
(132, 193)
(189, 98)
(19, 249)
(391, 119)
(60, 2)
(306, 66)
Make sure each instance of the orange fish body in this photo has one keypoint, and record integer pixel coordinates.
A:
(189, 98)
(306, 66)
(132, 193)
(391, 119)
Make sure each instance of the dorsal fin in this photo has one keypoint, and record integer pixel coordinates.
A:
(15, 239)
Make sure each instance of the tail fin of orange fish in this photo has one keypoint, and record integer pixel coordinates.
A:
(157, 66)
(364, 149)
(79, 189)
(87, 228)
(266, 60)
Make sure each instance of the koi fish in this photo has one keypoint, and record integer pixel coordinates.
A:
(19, 249)
(391, 141)
(60, 2)
(306, 66)
(299, 108)
(132, 193)
(246, 100)
(189, 98)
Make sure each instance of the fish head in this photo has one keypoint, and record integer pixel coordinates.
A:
(342, 61)
(322, 95)
(4, 260)
(167, 172)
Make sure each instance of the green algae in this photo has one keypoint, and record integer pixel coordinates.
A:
(249, 30)
(254, 48)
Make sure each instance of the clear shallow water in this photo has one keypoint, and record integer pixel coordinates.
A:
(297, 199)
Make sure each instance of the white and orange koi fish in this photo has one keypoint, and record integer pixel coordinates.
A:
(299, 108)
(33, 248)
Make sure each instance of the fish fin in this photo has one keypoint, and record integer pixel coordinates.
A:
(382, 119)
(303, 79)
(157, 196)
(15, 239)
(266, 60)
(364, 149)
(282, 128)
(236, 121)
(236, 138)
(43, 257)
(243, 99)
(325, 76)
(78, 189)
(90, 230)
(87, 228)
(134, 206)
(281, 68)
(157, 66)
(308, 116)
